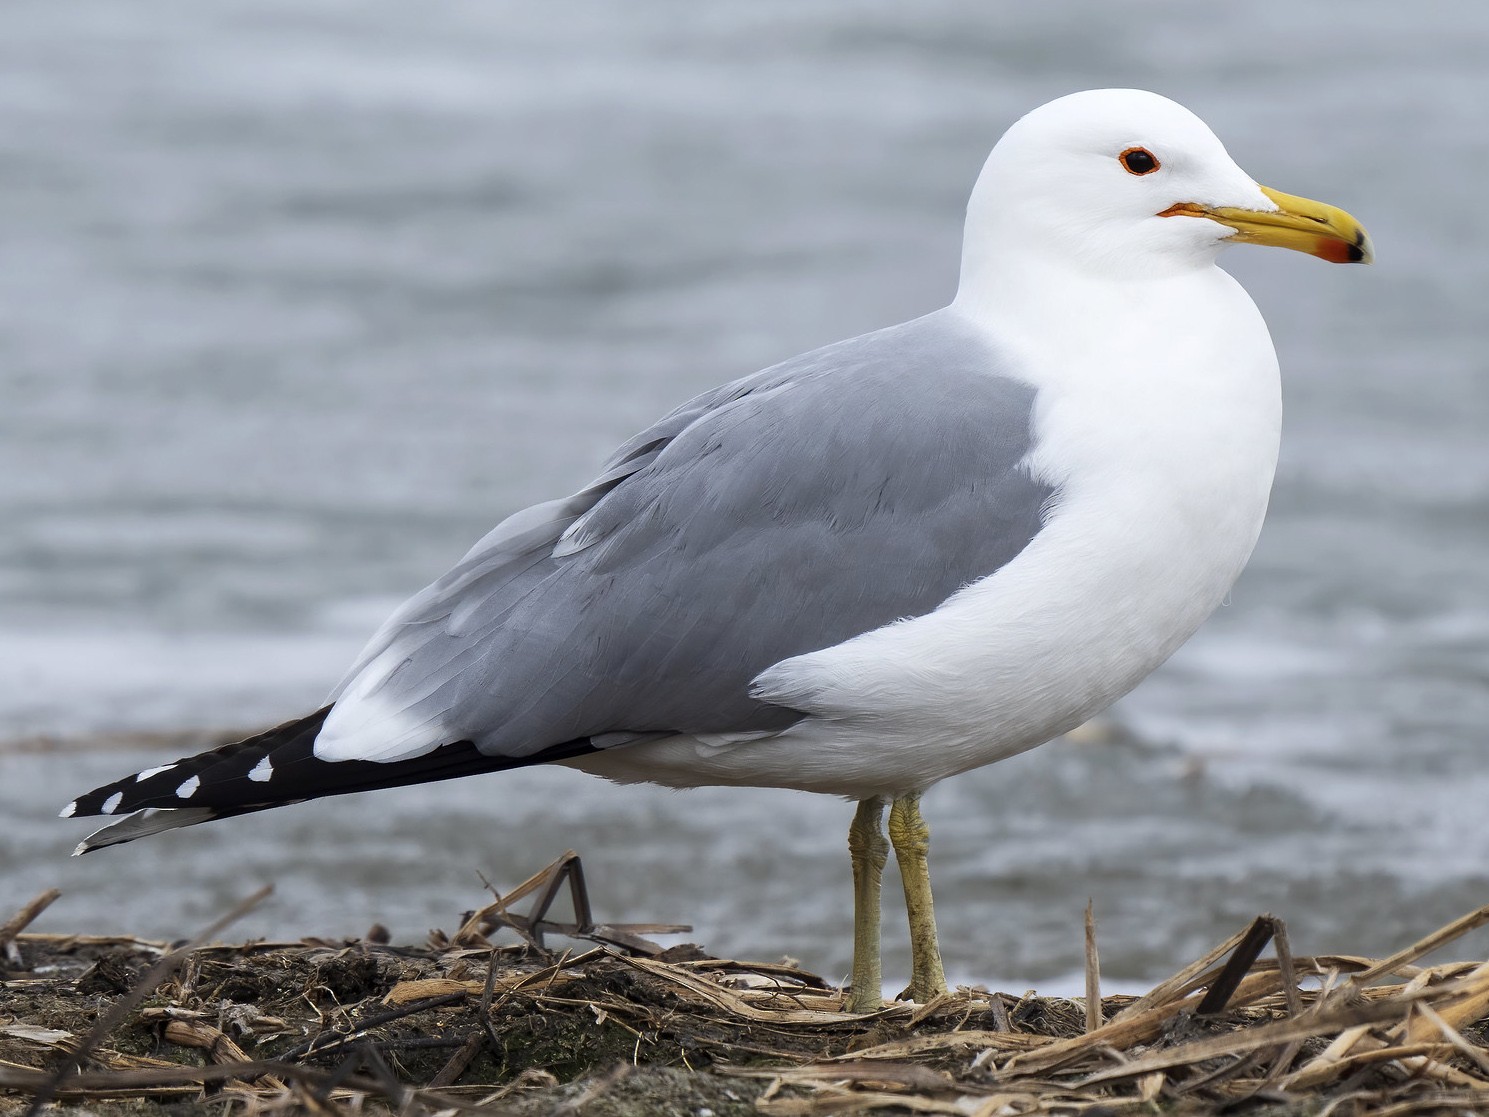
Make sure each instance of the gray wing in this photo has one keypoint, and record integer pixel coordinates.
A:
(503, 560)
(787, 512)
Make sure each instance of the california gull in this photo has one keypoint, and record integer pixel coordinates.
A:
(877, 564)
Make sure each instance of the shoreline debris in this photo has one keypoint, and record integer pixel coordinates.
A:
(620, 1026)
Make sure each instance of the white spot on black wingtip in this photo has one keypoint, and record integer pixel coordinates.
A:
(111, 804)
(263, 771)
(141, 777)
(69, 810)
(188, 789)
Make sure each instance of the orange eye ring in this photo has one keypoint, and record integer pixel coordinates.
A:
(1139, 161)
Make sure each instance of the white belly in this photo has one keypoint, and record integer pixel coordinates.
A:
(1163, 465)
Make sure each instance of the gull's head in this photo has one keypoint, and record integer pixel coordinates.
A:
(1122, 182)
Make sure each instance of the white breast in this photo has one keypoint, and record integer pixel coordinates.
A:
(1161, 438)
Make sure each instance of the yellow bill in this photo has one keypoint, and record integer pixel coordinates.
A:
(1298, 223)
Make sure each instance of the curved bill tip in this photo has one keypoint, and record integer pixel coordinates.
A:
(1348, 243)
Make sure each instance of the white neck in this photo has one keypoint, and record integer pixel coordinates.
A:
(1058, 318)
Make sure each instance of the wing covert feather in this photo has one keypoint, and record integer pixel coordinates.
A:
(783, 513)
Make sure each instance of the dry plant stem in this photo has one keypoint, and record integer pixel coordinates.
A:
(912, 845)
(336, 1042)
(1255, 940)
(1190, 978)
(869, 850)
(1439, 938)
(23, 918)
(87, 1084)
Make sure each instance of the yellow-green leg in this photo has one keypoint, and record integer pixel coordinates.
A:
(912, 843)
(869, 851)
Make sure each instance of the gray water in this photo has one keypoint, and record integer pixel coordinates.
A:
(296, 300)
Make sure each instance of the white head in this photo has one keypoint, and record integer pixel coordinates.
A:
(1128, 184)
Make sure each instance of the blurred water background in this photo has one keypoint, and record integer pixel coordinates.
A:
(297, 299)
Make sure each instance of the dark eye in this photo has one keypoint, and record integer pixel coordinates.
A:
(1138, 161)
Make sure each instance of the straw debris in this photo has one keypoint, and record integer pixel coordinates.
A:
(617, 1026)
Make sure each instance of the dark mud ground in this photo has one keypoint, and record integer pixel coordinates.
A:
(606, 1025)
(592, 1030)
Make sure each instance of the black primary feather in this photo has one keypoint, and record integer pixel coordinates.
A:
(271, 769)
